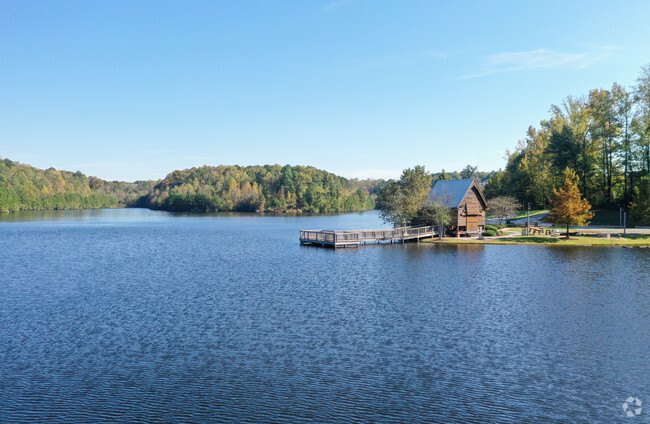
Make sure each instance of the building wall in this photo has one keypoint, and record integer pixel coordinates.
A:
(470, 216)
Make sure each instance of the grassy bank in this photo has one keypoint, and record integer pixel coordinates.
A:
(629, 240)
(519, 215)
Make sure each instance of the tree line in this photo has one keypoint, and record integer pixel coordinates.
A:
(270, 188)
(603, 137)
(467, 173)
(23, 187)
(407, 202)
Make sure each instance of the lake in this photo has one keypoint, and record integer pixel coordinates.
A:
(134, 316)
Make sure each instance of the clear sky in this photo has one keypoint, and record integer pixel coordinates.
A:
(133, 90)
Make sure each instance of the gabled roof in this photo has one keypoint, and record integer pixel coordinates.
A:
(451, 192)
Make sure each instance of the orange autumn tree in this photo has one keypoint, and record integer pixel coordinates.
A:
(568, 207)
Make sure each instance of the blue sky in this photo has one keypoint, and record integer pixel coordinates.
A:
(132, 90)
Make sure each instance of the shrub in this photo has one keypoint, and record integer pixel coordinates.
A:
(489, 233)
(491, 228)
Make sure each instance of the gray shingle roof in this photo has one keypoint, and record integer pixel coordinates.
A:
(451, 192)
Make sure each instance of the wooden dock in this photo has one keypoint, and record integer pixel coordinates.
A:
(355, 238)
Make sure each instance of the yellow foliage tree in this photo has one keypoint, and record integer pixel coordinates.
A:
(568, 207)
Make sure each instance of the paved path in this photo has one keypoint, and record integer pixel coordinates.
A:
(589, 228)
(520, 221)
(611, 230)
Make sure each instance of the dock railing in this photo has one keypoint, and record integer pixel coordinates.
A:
(356, 237)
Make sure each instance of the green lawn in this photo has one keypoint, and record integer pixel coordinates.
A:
(520, 214)
(629, 240)
(609, 217)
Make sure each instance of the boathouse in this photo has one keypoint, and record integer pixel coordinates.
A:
(466, 202)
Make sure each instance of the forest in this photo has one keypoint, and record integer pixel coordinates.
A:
(603, 137)
(269, 188)
(23, 187)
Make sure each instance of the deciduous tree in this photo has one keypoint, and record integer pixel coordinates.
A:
(568, 207)
(401, 202)
(436, 212)
(502, 206)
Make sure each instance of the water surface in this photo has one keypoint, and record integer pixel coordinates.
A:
(141, 316)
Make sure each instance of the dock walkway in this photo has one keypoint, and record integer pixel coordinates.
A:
(355, 238)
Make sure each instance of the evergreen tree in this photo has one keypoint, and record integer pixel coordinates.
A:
(603, 137)
(640, 206)
(496, 185)
(469, 172)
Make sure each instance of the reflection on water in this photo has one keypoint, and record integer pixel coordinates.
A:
(136, 315)
(86, 215)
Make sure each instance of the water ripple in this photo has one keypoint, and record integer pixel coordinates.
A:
(184, 319)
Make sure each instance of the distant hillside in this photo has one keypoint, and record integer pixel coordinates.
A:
(207, 189)
(23, 187)
(261, 188)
